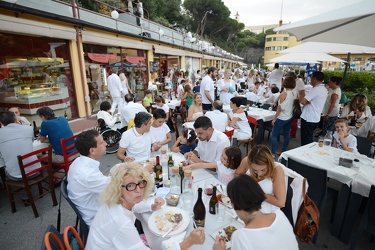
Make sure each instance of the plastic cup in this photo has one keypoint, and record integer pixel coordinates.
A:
(336, 156)
(321, 141)
(221, 210)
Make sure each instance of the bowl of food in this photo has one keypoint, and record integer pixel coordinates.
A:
(172, 199)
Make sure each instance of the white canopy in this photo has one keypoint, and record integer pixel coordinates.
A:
(352, 24)
(330, 48)
(304, 58)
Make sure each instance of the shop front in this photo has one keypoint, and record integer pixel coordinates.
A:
(35, 72)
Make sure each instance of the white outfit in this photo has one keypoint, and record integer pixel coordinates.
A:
(336, 109)
(224, 174)
(108, 119)
(160, 133)
(129, 111)
(267, 187)
(137, 145)
(242, 129)
(350, 141)
(207, 84)
(287, 106)
(130, 6)
(196, 115)
(165, 107)
(225, 96)
(300, 85)
(211, 150)
(124, 87)
(279, 235)
(367, 114)
(140, 9)
(317, 96)
(113, 228)
(23, 120)
(219, 119)
(180, 90)
(272, 98)
(276, 77)
(85, 183)
(115, 88)
(168, 83)
(250, 96)
(369, 125)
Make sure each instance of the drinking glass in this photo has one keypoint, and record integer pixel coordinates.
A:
(321, 141)
(221, 211)
(187, 199)
(208, 188)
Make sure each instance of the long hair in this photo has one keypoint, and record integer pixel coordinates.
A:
(112, 193)
(261, 155)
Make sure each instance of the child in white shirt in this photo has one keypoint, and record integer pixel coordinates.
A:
(342, 139)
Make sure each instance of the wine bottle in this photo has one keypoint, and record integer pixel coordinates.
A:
(353, 120)
(181, 172)
(213, 201)
(199, 210)
(170, 165)
(36, 130)
(158, 170)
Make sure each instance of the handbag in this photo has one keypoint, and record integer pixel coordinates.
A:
(297, 111)
(307, 224)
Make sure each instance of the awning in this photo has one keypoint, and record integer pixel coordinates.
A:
(172, 51)
(113, 40)
(102, 58)
(135, 59)
(36, 28)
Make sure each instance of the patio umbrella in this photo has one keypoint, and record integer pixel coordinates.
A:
(304, 58)
(352, 24)
(329, 48)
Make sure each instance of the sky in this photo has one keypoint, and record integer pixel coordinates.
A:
(263, 12)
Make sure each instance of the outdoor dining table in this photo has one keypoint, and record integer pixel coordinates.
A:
(174, 103)
(200, 178)
(262, 116)
(356, 181)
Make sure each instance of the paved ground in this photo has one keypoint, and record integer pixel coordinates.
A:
(22, 231)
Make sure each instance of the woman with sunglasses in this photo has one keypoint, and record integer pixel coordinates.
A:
(113, 226)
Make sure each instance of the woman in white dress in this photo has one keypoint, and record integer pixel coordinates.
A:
(238, 120)
(195, 109)
(226, 87)
(124, 84)
(168, 84)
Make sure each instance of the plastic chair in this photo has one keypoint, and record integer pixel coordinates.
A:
(229, 133)
(368, 219)
(45, 176)
(364, 145)
(69, 153)
(253, 123)
(83, 228)
(52, 239)
(110, 136)
(72, 239)
(317, 179)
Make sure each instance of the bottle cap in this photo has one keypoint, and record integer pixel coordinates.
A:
(175, 169)
(187, 173)
(180, 165)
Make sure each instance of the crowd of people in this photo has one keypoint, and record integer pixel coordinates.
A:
(256, 183)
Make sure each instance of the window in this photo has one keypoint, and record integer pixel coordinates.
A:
(268, 48)
(277, 39)
(268, 39)
(286, 38)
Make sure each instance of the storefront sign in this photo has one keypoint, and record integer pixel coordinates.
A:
(102, 58)
(134, 59)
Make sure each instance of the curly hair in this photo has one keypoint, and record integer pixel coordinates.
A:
(112, 193)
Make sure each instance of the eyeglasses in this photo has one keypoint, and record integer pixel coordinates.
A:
(133, 186)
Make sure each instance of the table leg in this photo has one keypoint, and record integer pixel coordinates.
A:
(341, 206)
(259, 136)
(350, 216)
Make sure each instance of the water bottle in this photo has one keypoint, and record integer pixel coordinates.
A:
(175, 181)
(328, 138)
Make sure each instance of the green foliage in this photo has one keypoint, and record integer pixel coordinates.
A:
(356, 82)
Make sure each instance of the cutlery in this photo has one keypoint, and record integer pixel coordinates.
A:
(170, 230)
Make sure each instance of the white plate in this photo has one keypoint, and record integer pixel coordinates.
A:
(183, 224)
(220, 231)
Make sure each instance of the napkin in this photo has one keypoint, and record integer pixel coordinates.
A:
(175, 239)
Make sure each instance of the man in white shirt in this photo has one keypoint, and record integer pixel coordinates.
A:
(20, 119)
(366, 127)
(211, 142)
(128, 112)
(218, 118)
(137, 142)
(313, 105)
(276, 76)
(207, 89)
(180, 89)
(85, 180)
(115, 88)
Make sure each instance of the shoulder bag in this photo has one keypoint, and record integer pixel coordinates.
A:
(297, 111)
(308, 217)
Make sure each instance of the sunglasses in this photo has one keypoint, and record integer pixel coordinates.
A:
(133, 186)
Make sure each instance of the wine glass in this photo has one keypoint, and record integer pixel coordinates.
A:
(208, 187)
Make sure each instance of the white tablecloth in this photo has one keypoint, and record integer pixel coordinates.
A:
(172, 104)
(359, 175)
(211, 224)
(258, 113)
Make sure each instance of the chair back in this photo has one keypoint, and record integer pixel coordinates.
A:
(68, 149)
(72, 240)
(174, 122)
(29, 159)
(83, 228)
(364, 145)
(253, 122)
(229, 133)
(52, 239)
